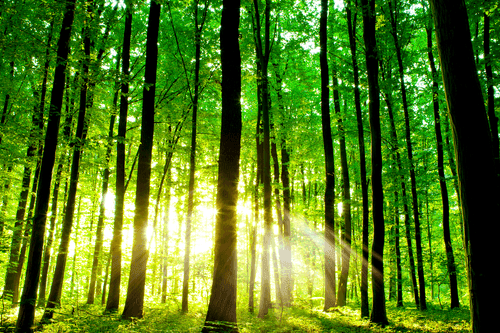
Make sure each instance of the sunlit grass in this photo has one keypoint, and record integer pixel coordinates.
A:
(301, 318)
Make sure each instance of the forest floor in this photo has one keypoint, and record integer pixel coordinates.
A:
(300, 318)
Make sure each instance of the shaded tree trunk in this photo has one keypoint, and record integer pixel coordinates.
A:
(351, 27)
(473, 150)
(137, 280)
(81, 134)
(409, 150)
(26, 314)
(330, 294)
(116, 243)
(222, 306)
(378, 314)
(452, 274)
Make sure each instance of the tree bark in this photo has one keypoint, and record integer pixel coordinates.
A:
(351, 27)
(452, 274)
(409, 149)
(346, 201)
(475, 161)
(137, 280)
(26, 314)
(80, 137)
(330, 294)
(378, 314)
(116, 243)
(222, 306)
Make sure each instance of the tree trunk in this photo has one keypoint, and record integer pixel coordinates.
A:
(80, 137)
(330, 294)
(346, 201)
(473, 150)
(452, 274)
(116, 243)
(409, 150)
(192, 159)
(26, 314)
(378, 314)
(222, 306)
(351, 26)
(137, 279)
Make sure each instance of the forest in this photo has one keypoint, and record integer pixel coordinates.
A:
(249, 165)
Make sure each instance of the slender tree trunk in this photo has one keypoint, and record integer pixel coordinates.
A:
(81, 134)
(116, 243)
(137, 280)
(166, 221)
(26, 314)
(409, 150)
(192, 159)
(330, 294)
(378, 314)
(346, 201)
(102, 211)
(399, 277)
(452, 274)
(351, 25)
(473, 150)
(222, 306)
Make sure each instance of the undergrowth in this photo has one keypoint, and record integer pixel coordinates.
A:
(303, 317)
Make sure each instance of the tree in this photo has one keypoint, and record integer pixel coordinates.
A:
(80, 137)
(26, 313)
(137, 279)
(330, 294)
(474, 155)
(378, 314)
(452, 274)
(116, 243)
(222, 306)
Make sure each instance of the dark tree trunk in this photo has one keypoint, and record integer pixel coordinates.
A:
(137, 279)
(378, 314)
(192, 160)
(81, 134)
(406, 213)
(473, 150)
(409, 150)
(346, 202)
(452, 274)
(330, 294)
(351, 25)
(26, 314)
(263, 58)
(399, 278)
(102, 210)
(113, 301)
(222, 306)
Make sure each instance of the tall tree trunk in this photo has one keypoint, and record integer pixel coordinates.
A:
(80, 137)
(346, 201)
(473, 150)
(263, 58)
(26, 314)
(116, 243)
(378, 314)
(351, 27)
(102, 211)
(330, 294)
(192, 160)
(409, 150)
(222, 306)
(406, 213)
(452, 274)
(399, 278)
(137, 279)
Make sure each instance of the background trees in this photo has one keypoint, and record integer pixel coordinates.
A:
(289, 88)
